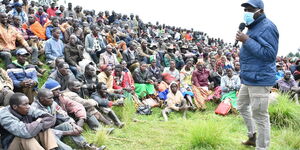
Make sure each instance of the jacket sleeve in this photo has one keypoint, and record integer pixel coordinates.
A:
(21, 39)
(76, 108)
(87, 44)
(87, 103)
(237, 84)
(20, 129)
(138, 78)
(264, 46)
(68, 56)
(8, 81)
(48, 33)
(48, 51)
(223, 85)
(101, 101)
(15, 81)
(195, 79)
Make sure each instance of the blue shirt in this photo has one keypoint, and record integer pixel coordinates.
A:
(22, 15)
(54, 48)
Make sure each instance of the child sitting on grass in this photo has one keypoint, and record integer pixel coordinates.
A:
(175, 101)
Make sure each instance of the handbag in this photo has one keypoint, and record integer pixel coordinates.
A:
(224, 107)
(144, 110)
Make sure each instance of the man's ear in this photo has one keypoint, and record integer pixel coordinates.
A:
(14, 107)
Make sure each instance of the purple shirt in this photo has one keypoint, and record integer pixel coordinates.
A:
(200, 78)
(285, 86)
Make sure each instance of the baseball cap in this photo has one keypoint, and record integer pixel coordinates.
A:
(17, 4)
(58, 12)
(254, 3)
(22, 51)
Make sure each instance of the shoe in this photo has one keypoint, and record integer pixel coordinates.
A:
(251, 141)
(41, 71)
(101, 147)
(39, 75)
(110, 131)
(39, 63)
(120, 125)
(93, 147)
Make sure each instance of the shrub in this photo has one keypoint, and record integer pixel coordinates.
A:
(208, 134)
(284, 113)
(127, 111)
(98, 138)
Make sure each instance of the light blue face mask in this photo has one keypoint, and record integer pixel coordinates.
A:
(249, 17)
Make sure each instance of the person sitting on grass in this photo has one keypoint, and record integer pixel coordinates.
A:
(73, 108)
(65, 125)
(175, 102)
(74, 54)
(144, 84)
(289, 85)
(230, 85)
(105, 102)
(62, 75)
(124, 81)
(23, 75)
(93, 115)
(6, 87)
(54, 47)
(106, 76)
(23, 127)
(89, 80)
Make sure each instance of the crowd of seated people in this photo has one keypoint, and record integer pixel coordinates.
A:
(99, 60)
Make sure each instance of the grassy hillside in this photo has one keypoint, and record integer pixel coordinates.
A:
(200, 131)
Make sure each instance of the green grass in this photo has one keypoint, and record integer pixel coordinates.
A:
(284, 113)
(200, 131)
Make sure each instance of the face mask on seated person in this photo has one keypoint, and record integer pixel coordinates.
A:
(249, 17)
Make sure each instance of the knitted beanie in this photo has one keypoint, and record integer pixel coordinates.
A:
(52, 84)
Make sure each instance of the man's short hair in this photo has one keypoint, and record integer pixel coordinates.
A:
(43, 92)
(55, 29)
(99, 86)
(15, 99)
(61, 65)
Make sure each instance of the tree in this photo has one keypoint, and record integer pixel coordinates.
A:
(290, 55)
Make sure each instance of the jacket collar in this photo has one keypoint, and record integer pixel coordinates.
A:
(258, 20)
(15, 62)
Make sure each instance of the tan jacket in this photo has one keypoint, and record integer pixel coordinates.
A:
(172, 100)
(5, 80)
(107, 80)
(142, 53)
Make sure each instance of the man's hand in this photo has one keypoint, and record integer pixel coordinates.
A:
(242, 37)
(78, 129)
(39, 120)
(150, 81)
(78, 68)
(24, 83)
(29, 49)
(5, 50)
(80, 122)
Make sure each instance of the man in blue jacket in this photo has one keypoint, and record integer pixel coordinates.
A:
(258, 72)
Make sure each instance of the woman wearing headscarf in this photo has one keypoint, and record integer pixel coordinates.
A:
(200, 84)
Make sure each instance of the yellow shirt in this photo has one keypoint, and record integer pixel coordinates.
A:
(107, 80)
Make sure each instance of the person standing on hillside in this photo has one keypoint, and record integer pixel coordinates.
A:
(258, 72)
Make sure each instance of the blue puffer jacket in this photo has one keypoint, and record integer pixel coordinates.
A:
(258, 53)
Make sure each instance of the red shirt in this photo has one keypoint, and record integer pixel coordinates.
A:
(51, 12)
